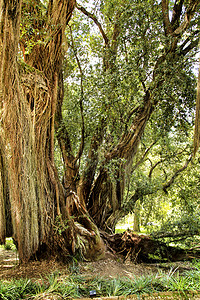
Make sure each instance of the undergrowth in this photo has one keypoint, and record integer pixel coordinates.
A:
(78, 286)
(9, 245)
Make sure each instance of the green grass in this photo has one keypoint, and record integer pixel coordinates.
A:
(16, 289)
(78, 286)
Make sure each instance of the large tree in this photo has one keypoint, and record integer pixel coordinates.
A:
(146, 75)
(29, 93)
(49, 215)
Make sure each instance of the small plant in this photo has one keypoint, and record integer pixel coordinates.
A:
(78, 286)
(74, 265)
(61, 225)
(16, 289)
(9, 245)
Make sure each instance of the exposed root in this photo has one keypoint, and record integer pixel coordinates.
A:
(143, 248)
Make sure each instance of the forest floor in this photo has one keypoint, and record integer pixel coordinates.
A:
(110, 266)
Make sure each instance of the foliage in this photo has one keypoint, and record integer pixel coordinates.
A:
(183, 231)
(113, 100)
(78, 286)
(166, 195)
(9, 245)
(17, 289)
(174, 215)
(114, 94)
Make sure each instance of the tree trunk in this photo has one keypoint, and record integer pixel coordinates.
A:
(41, 218)
(136, 220)
(2, 197)
(105, 197)
(105, 202)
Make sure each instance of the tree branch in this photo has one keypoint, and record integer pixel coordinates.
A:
(81, 147)
(134, 110)
(165, 12)
(129, 141)
(171, 181)
(190, 40)
(177, 9)
(181, 235)
(116, 32)
(94, 18)
(173, 28)
(191, 46)
(154, 166)
(143, 156)
(188, 16)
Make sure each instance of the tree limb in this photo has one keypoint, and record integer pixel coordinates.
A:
(188, 16)
(94, 18)
(165, 12)
(173, 28)
(143, 156)
(181, 235)
(171, 181)
(116, 32)
(154, 166)
(81, 147)
(177, 9)
(191, 46)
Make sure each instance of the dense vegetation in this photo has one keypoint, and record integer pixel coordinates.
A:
(97, 119)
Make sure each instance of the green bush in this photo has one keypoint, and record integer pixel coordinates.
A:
(9, 245)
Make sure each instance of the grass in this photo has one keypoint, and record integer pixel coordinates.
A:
(77, 286)
(16, 289)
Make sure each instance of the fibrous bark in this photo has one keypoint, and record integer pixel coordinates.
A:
(41, 218)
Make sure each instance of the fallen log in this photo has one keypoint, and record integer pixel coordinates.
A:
(144, 248)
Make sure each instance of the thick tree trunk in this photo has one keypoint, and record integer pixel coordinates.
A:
(29, 217)
(6, 228)
(105, 202)
(41, 218)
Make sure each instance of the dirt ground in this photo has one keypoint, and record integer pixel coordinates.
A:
(110, 266)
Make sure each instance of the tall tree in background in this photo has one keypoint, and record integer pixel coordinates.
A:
(143, 63)
(49, 216)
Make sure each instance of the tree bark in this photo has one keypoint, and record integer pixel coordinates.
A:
(41, 218)
(106, 197)
(2, 200)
